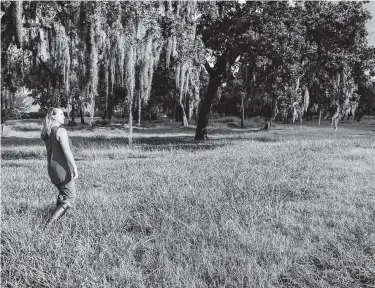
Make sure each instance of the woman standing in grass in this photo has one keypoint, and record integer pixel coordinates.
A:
(62, 168)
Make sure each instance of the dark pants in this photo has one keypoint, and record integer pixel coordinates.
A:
(67, 193)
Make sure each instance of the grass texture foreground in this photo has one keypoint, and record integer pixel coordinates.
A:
(292, 207)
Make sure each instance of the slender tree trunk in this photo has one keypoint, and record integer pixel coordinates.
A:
(196, 111)
(72, 114)
(358, 115)
(14, 96)
(266, 126)
(191, 110)
(204, 111)
(130, 122)
(68, 77)
(184, 118)
(8, 101)
(106, 93)
(6, 93)
(273, 108)
(68, 106)
(110, 107)
(2, 101)
(81, 114)
(336, 118)
(72, 121)
(139, 109)
(176, 112)
(2, 112)
(242, 112)
(91, 109)
(320, 115)
(246, 104)
(353, 115)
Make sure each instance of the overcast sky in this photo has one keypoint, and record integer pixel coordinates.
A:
(371, 23)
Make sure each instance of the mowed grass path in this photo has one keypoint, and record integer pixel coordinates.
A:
(292, 207)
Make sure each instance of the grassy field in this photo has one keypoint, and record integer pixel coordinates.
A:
(292, 207)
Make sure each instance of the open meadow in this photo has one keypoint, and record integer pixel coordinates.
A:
(291, 207)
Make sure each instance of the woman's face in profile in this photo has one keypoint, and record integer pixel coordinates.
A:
(59, 116)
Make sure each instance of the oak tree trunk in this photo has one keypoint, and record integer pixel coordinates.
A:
(205, 107)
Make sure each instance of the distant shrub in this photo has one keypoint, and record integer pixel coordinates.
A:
(234, 125)
(98, 113)
(147, 117)
(72, 123)
(227, 120)
(235, 122)
(26, 126)
(35, 115)
(101, 122)
(256, 119)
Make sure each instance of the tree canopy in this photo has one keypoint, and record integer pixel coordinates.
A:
(282, 58)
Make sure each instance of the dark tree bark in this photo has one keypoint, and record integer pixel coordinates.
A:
(9, 31)
(109, 106)
(177, 111)
(72, 122)
(359, 115)
(217, 74)
(81, 114)
(204, 111)
(2, 101)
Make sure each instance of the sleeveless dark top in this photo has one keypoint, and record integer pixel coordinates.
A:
(59, 169)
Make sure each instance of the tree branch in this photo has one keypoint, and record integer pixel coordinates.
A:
(208, 67)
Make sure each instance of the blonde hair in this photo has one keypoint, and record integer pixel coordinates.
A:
(47, 123)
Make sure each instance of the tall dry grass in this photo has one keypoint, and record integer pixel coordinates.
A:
(293, 207)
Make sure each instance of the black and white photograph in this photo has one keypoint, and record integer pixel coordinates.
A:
(189, 144)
